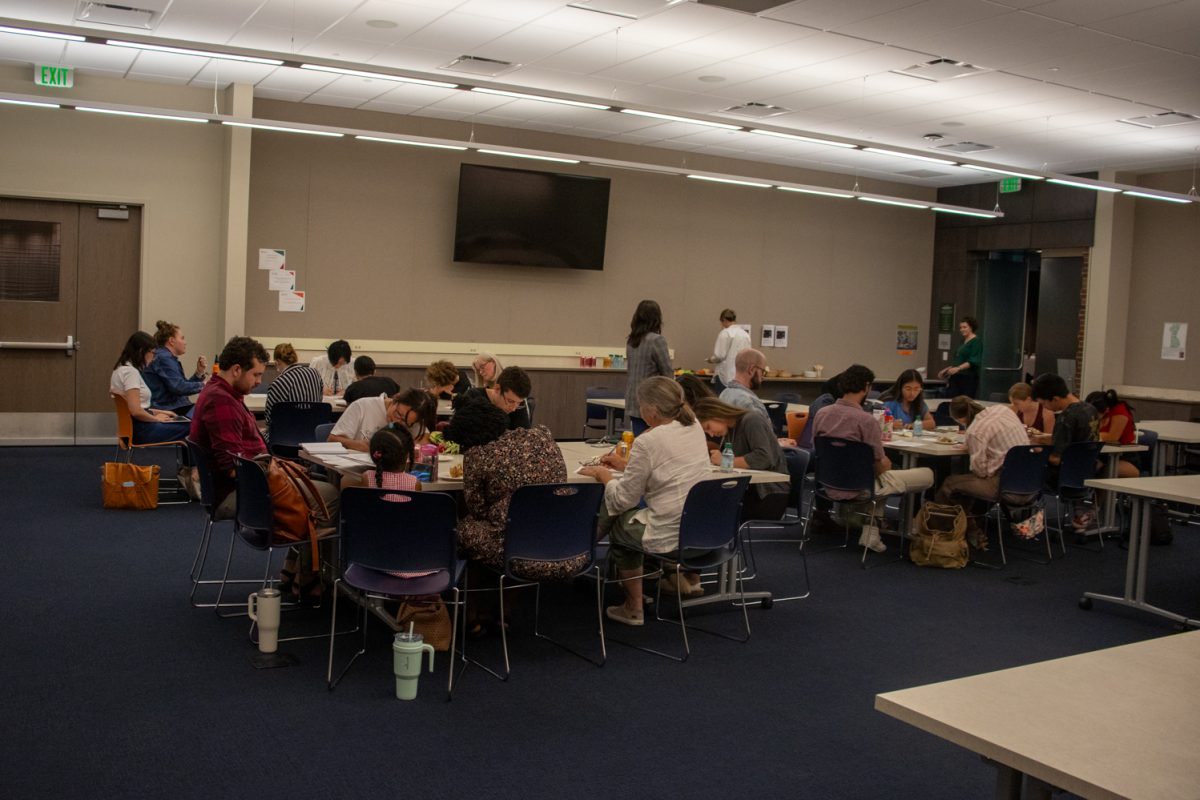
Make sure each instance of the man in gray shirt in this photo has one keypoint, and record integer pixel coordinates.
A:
(750, 364)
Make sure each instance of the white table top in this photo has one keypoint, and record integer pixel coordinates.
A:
(619, 402)
(1173, 430)
(258, 402)
(1115, 723)
(1176, 488)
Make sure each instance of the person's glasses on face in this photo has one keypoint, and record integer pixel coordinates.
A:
(510, 401)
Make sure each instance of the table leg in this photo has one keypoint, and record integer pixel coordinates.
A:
(726, 587)
(1108, 524)
(1008, 782)
(610, 421)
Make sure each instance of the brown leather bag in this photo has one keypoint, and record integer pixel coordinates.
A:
(428, 617)
(295, 504)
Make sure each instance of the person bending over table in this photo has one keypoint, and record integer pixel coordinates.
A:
(963, 375)
(367, 383)
(444, 381)
(486, 368)
(1077, 422)
(296, 383)
(663, 465)
(169, 389)
(905, 401)
(1034, 416)
(1116, 427)
(509, 394)
(646, 355)
(150, 425)
(413, 409)
(755, 446)
(334, 367)
(991, 433)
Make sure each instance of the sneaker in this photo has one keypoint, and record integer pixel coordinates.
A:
(624, 616)
(870, 539)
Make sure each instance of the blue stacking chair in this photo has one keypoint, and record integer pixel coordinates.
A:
(203, 466)
(1023, 474)
(777, 412)
(292, 424)
(844, 466)
(1150, 440)
(596, 417)
(791, 523)
(1078, 465)
(384, 531)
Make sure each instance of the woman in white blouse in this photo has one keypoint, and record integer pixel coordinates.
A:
(150, 425)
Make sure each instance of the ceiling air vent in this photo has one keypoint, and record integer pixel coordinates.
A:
(757, 110)
(965, 147)
(1163, 120)
(121, 16)
(478, 65)
(924, 173)
(629, 9)
(941, 69)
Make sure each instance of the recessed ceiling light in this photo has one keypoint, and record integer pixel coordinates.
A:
(952, 124)
(381, 23)
(711, 78)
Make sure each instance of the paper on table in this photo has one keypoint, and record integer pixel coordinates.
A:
(324, 447)
(270, 258)
(345, 462)
(615, 474)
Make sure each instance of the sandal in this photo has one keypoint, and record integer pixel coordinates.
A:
(287, 580)
(309, 593)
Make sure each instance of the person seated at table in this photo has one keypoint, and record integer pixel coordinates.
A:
(828, 395)
(1034, 416)
(663, 465)
(905, 401)
(1116, 427)
(295, 383)
(846, 419)
(169, 389)
(694, 388)
(367, 383)
(334, 367)
(413, 409)
(444, 381)
(1077, 422)
(508, 394)
(150, 425)
(755, 446)
(392, 453)
(486, 368)
(991, 433)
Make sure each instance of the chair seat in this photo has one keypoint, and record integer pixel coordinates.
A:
(365, 579)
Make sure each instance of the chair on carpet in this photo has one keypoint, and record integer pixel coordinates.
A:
(1023, 474)
(396, 545)
(203, 467)
(168, 485)
(843, 466)
(790, 523)
(294, 423)
(777, 412)
(1078, 464)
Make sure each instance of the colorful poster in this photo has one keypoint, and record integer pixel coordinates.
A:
(1174, 341)
(279, 280)
(291, 301)
(269, 258)
(906, 339)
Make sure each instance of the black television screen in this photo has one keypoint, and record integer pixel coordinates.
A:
(538, 219)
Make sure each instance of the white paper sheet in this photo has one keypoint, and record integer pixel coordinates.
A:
(270, 258)
(291, 301)
(281, 279)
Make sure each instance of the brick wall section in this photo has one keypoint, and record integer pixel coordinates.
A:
(1083, 291)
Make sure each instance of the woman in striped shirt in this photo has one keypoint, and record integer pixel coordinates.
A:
(296, 383)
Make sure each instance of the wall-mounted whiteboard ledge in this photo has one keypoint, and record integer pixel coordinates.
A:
(395, 353)
(1153, 393)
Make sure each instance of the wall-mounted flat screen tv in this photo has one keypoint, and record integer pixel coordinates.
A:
(537, 219)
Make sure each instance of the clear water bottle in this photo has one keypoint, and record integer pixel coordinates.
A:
(727, 457)
(918, 427)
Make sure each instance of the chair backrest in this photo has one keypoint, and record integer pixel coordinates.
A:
(1078, 464)
(797, 464)
(253, 498)
(710, 515)
(778, 414)
(552, 522)
(941, 415)
(293, 423)
(414, 536)
(595, 416)
(790, 397)
(1024, 469)
(321, 432)
(203, 467)
(124, 422)
(1150, 440)
(845, 465)
(530, 404)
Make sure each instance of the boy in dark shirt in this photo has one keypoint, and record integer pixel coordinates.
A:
(367, 383)
(1076, 422)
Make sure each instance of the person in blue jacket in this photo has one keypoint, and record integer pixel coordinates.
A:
(169, 389)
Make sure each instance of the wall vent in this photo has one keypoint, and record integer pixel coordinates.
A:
(1164, 120)
(478, 65)
(941, 69)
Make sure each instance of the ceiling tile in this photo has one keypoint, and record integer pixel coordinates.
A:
(166, 65)
(679, 24)
(223, 73)
(25, 49)
(311, 17)
(1086, 12)
(833, 14)
(732, 72)
(409, 18)
(748, 36)
(216, 21)
(578, 20)
(290, 79)
(527, 44)
(803, 52)
(280, 94)
(86, 55)
(1175, 26)
(931, 16)
(655, 66)
(594, 55)
(520, 11)
(265, 37)
(406, 94)
(461, 33)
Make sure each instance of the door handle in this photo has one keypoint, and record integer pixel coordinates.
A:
(69, 346)
(1002, 369)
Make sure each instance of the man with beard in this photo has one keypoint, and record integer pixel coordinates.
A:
(751, 364)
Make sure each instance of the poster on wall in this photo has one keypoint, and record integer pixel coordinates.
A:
(748, 329)
(906, 339)
(291, 301)
(270, 258)
(768, 336)
(279, 280)
(781, 333)
(1174, 341)
(943, 341)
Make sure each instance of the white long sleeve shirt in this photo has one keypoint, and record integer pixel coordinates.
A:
(730, 342)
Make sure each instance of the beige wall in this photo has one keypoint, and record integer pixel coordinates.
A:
(173, 170)
(369, 228)
(1165, 286)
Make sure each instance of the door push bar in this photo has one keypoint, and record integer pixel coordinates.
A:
(69, 346)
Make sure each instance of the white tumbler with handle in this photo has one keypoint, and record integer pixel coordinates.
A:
(263, 607)
(407, 650)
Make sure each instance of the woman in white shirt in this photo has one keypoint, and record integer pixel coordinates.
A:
(663, 465)
(150, 425)
(413, 409)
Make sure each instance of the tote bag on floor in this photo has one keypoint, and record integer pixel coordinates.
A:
(129, 485)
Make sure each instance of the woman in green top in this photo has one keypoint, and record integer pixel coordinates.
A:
(963, 376)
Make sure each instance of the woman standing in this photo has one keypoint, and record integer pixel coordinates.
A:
(295, 383)
(150, 425)
(963, 376)
(755, 446)
(906, 400)
(169, 389)
(646, 356)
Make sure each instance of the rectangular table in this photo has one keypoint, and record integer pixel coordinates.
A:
(257, 402)
(1116, 723)
(1174, 488)
(1171, 434)
(613, 404)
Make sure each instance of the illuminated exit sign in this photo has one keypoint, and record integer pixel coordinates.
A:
(58, 77)
(1010, 185)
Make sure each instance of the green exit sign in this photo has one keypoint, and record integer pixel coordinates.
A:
(1010, 185)
(58, 77)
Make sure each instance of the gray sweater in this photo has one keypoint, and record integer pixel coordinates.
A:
(648, 359)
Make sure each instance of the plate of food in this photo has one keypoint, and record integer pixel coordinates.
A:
(455, 473)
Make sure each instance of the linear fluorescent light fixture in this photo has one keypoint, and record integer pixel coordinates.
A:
(32, 103)
(66, 37)
(964, 213)
(673, 118)
(540, 99)
(755, 184)
(901, 203)
(819, 192)
(282, 129)
(383, 76)
(142, 114)
(527, 155)
(1095, 187)
(410, 143)
(881, 151)
(998, 171)
(184, 51)
(1149, 196)
(808, 139)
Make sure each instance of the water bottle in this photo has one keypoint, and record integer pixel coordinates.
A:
(918, 427)
(727, 457)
